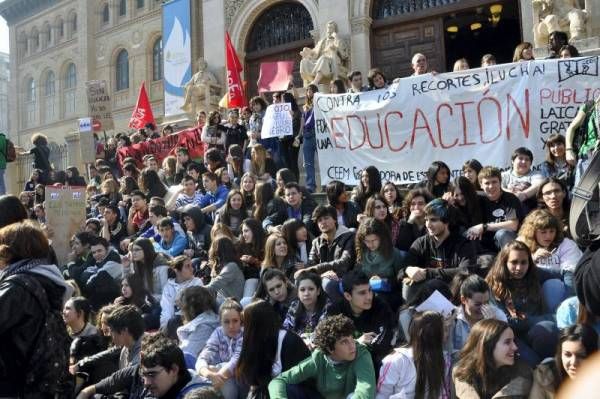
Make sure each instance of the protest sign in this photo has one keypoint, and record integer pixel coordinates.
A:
(87, 145)
(483, 113)
(277, 121)
(164, 146)
(99, 104)
(65, 214)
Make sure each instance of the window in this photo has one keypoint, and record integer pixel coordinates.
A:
(157, 60)
(74, 23)
(29, 115)
(122, 70)
(105, 14)
(35, 40)
(61, 28)
(70, 86)
(122, 8)
(49, 97)
(139, 4)
(46, 36)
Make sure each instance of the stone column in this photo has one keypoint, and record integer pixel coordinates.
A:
(74, 150)
(360, 57)
(213, 37)
(527, 21)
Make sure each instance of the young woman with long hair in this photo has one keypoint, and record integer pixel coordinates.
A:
(377, 208)
(267, 349)
(553, 196)
(134, 293)
(265, 202)
(523, 52)
(338, 197)
(463, 196)
(472, 300)
(517, 289)
(110, 189)
(233, 212)
(276, 289)
(150, 266)
(421, 369)
(247, 185)
(470, 170)
(556, 164)
(218, 358)
(575, 344)
(488, 364)
(213, 133)
(413, 224)
(437, 181)
(251, 247)
(312, 306)
(227, 279)
(278, 255)
(260, 165)
(77, 313)
(552, 252)
(237, 166)
(283, 177)
(299, 240)
(393, 198)
(379, 259)
(369, 184)
(150, 183)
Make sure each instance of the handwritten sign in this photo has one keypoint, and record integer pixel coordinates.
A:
(65, 213)
(99, 104)
(483, 113)
(277, 121)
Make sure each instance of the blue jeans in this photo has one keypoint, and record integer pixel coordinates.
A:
(539, 343)
(554, 292)
(582, 164)
(2, 184)
(309, 148)
(503, 237)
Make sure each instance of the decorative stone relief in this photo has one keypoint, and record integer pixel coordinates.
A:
(361, 24)
(231, 7)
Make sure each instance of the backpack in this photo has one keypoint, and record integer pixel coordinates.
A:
(581, 133)
(10, 153)
(48, 361)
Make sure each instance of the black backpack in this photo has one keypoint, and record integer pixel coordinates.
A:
(581, 133)
(48, 361)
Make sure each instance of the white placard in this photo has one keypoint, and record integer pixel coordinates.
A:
(277, 121)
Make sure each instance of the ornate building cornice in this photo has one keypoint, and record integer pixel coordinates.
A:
(14, 11)
(361, 24)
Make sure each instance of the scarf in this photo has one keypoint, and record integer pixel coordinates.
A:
(22, 266)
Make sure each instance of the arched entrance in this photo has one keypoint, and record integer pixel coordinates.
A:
(443, 30)
(278, 34)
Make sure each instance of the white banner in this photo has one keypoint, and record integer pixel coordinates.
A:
(277, 121)
(483, 113)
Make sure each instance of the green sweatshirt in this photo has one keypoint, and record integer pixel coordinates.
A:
(333, 381)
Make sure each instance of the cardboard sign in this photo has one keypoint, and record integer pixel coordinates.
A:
(65, 214)
(277, 121)
(99, 105)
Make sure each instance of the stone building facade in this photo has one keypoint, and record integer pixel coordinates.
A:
(4, 78)
(119, 41)
(58, 45)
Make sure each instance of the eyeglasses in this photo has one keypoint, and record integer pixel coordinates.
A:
(556, 191)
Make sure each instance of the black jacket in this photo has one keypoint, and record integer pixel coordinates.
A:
(198, 240)
(278, 214)
(339, 255)
(21, 318)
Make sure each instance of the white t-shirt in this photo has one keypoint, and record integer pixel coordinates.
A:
(563, 258)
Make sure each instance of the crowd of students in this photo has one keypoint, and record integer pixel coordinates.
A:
(226, 277)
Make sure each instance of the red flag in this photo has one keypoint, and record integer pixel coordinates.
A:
(142, 114)
(235, 89)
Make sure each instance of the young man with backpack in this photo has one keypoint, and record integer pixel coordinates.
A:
(34, 343)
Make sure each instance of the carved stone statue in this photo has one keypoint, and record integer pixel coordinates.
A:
(202, 91)
(327, 61)
(558, 15)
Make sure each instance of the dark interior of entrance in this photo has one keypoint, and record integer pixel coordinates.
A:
(492, 28)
